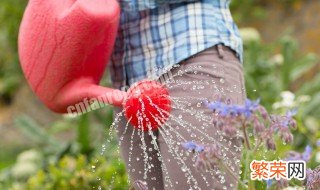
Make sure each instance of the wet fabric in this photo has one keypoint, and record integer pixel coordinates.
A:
(209, 75)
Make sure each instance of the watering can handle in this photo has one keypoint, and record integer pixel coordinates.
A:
(64, 48)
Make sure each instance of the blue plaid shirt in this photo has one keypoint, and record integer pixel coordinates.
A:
(154, 35)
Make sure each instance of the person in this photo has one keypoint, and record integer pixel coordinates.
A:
(198, 43)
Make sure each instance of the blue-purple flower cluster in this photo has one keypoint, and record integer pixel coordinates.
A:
(313, 179)
(231, 119)
(292, 156)
(279, 184)
(305, 156)
(254, 118)
(192, 146)
(207, 155)
(226, 109)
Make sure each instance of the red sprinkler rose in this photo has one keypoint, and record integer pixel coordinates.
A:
(147, 105)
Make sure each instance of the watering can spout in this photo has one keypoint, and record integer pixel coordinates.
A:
(64, 48)
(82, 91)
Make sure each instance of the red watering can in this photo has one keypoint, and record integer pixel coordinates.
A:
(64, 48)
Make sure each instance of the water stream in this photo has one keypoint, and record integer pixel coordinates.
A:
(170, 131)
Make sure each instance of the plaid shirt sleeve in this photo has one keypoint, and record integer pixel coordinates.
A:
(139, 5)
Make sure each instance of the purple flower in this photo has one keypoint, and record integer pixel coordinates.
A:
(207, 156)
(231, 119)
(207, 159)
(258, 126)
(282, 124)
(263, 112)
(293, 155)
(313, 179)
(214, 106)
(224, 110)
(306, 155)
(234, 110)
(291, 113)
(229, 130)
(282, 183)
(283, 121)
(199, 149)
(250, 107)
(318, 143)
(269, 183)
(287, 137)
(293, 124)
(191, 146)
(270, 144)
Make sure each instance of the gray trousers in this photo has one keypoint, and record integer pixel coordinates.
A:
(209, 75)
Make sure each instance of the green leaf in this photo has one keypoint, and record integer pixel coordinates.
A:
(304, 65)
(37, 134)
(313, 108)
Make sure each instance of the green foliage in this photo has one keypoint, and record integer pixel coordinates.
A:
(77, 173)
(245, 11)
(70, 173)
(66, 165)
(36, 133)
(57, 165)
(240, 10)
(10, 72)
(278, 67)
(275, 69)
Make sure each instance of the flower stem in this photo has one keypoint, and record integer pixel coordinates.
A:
(257, 146)
(246, 138)
(246, 164)
(227, 169)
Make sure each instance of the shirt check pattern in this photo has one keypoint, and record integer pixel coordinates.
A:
(152, 38)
